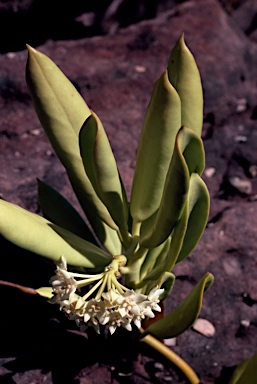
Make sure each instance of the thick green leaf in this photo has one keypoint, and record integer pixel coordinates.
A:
(62, 112)
(87, 136)
(154, 256)
(166, 281)
(173, 200)
(151, 267)
(46, 292)
(198, 212)
(38, 235)
(146, 227)
(101, 169)
(176, 240)
(161, 279)
(56, 99)
(184, 315)
(192, 148)
(110, 240)
(185, 78)
(162, 122)
(246, 372)
(58, 210)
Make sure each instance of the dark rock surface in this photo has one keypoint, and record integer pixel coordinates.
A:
(115, 74)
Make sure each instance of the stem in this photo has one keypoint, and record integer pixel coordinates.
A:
(92, 290)
(85, 282)
(73, 274)
(109, 281)
(134, 264)
(101, 289)
(124, 237)
(132, 248)
(136, 228)
(121, 288)
(22, 288)
(173, 357)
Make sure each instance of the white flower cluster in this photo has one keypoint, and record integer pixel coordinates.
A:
(115, 307)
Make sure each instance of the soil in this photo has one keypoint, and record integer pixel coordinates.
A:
(115, 73)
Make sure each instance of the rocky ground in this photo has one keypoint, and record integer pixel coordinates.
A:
(115, 73)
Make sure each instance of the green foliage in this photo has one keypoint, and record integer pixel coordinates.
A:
(185, 315)
(169, 203)
(36, 234)
(57, 209)
(161, 125)
(184, 76)
(45, 292)
(62, 112)
(245, 373)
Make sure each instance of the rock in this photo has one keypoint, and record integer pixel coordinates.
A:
(204, 327)
(170, 342)
(245, 323)
(210, 172)
(100, 69)
(24, 21)
(115, 74)
(246, 16)
(243, 186)
(231, 266)
(241, 139)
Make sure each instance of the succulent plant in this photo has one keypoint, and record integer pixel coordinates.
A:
(124, 250)
(245, 372)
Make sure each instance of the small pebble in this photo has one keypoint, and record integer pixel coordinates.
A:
(241, 105)
(253, 170)
(170, 342)
(240, 139)
(11, 55)
(245, 323)
(204, 327)
(167, 378)
(158, 366)
(209, 172)
(35, 132)
(243, 186)
(253, 198)
(140, 68)
(87, 19)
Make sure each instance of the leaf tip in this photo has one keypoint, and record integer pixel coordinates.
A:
(182, 38)
(31, 50)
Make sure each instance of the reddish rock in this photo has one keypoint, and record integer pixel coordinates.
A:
(115, 74)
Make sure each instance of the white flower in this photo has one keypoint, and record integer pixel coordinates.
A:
(73, 307)
(129, 305)
(146, 309)
(63, 284)
(116, 320)
(110, 298)
(153, 297)
(94, 309)
(118, 307)
(130, 299)
(86, 313)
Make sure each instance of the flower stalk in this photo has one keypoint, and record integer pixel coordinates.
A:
(172, 357)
